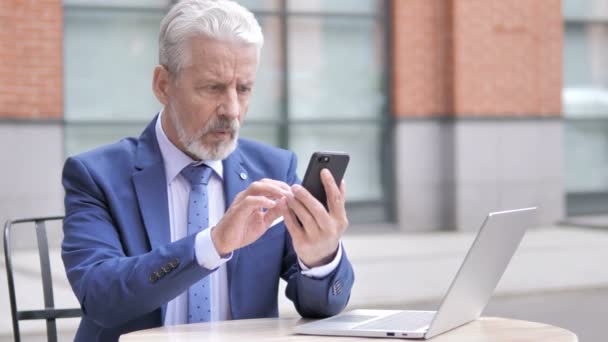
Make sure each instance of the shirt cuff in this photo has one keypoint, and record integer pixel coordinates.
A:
(205, 252)
(322, 271)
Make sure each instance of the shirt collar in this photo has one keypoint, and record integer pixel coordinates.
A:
(175, 160)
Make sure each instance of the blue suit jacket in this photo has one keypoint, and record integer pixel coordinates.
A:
(123, 267)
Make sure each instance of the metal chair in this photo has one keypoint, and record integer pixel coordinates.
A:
(49, 313)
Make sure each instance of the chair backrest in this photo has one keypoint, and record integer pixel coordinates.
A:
(49, 313)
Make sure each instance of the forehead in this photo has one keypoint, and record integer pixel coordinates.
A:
(220, 58)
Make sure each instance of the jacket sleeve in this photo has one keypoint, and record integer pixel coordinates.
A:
(315, 297)
(113, 288)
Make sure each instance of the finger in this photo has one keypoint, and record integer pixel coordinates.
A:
(252, 203)
(274, 213)
(343, 189)
(278, 183)
(256, 220)
(293, 226)
(335, 200)
(313, 206)
(308, 222)
(267, 189)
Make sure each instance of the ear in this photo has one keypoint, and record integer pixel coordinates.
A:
(160, 84)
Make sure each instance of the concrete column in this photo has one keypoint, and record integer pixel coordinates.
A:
(31, 157)
(451, 173)
(477, 100)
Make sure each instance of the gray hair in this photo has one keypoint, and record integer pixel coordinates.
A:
(223, 20)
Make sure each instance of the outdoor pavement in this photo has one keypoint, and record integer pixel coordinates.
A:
(558, 276)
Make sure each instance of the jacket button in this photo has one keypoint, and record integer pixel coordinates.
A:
(158, 274)
(167, 268)
(174, 263)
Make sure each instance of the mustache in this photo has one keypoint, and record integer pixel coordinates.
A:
(219, 123)
(222, 124)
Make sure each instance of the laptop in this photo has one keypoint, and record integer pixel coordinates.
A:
(469, 293)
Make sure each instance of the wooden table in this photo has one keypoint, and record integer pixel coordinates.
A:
(281, 329)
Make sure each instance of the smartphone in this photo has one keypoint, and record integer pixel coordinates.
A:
(335, 162)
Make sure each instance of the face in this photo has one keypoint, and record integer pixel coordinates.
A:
(206, 102)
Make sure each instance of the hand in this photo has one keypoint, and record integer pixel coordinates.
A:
(249, 215)
(316, 239)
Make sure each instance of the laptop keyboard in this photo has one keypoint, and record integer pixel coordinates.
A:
(405, 321)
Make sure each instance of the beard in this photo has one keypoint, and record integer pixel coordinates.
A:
(194, 145)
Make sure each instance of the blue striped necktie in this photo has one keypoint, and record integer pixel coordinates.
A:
(199, 294)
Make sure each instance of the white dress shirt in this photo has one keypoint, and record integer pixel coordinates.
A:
(178, 192)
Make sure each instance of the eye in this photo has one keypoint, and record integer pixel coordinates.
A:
(244, 89)
(212, 88)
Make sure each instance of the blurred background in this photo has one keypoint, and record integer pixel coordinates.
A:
(449, 109)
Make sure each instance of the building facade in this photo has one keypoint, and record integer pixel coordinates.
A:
(448, 108)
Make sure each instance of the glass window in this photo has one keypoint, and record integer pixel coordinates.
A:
(585, 9)
(267, 93)
(585, 70)
(82, 136)
(320, 85)
(341, 6)
(359, 140)
(336, 67)
(585, 103)
(121, 4)
(266, 132)
(586, 148)
(261, 5)
(110, 55)
(337, 96)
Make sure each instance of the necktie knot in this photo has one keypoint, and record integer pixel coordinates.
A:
(197, 174)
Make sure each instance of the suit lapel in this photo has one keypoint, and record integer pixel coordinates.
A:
(236, 179)
(151, 188)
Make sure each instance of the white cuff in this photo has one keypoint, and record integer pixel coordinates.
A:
(205, 252)
(322, 271)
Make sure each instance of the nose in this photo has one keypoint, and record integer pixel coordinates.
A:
(229, 105)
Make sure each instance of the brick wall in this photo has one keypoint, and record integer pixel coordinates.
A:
(422, 57)
(31, 62)
(477, 57)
